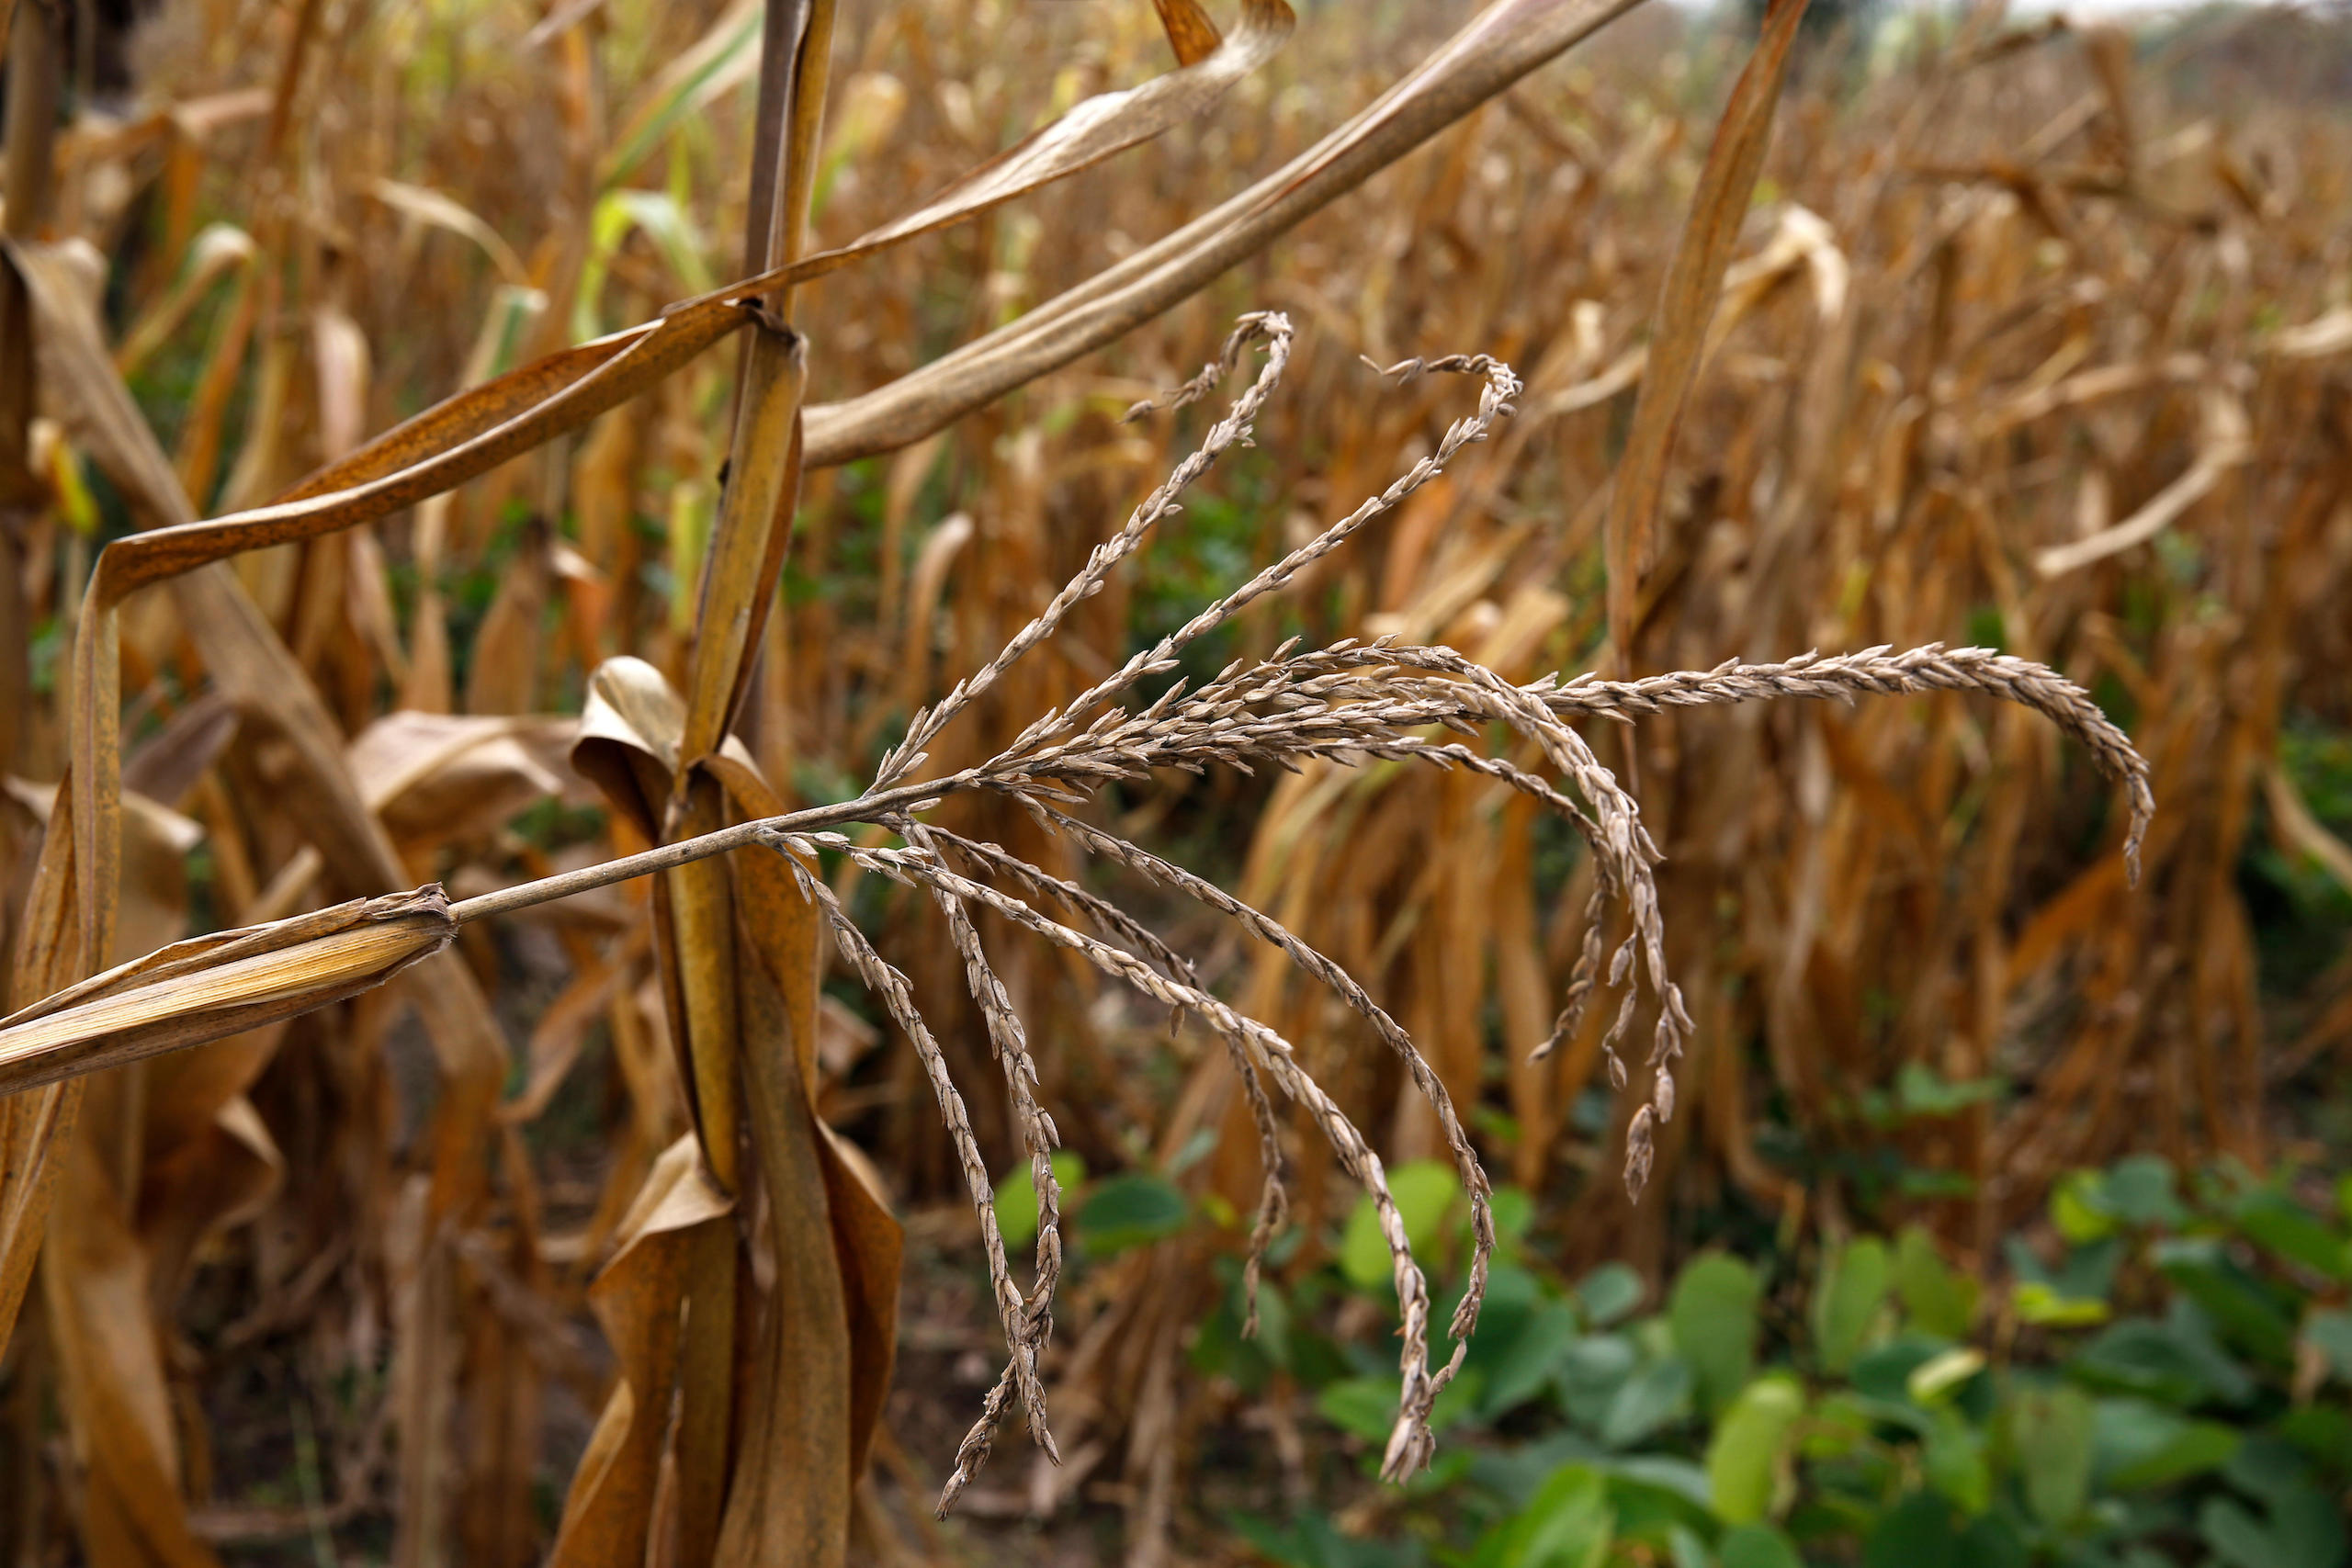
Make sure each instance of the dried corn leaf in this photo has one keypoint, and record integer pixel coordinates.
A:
(210, 986)
(1685, 307)
(1495, 49)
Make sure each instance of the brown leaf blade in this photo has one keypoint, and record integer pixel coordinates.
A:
(1685, 308)
(1494, 50)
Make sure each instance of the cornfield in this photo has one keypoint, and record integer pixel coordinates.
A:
(650, 656)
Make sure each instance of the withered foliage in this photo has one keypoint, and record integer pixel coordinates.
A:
(2006, 347)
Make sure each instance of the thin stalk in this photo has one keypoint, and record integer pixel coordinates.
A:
(668, 857)
(34, 72)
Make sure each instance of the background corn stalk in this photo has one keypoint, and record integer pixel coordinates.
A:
(1950, 388)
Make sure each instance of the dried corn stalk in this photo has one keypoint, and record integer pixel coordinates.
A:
(1349, 703)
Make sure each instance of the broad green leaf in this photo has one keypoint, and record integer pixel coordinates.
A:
(1937, 1298)
(1568, 1523)
(2140, 1191)
(1744, 1457)
(2051, 1430)
(1312, 1540)
(1956, 1464)
(2140, 1445)
(1367, 1406)
(1846, 1300)
(1651, 1509)
(2087, 1273)
(1424, 1191)
(1363, 1407)
(2176, 1360)
(1609, 1292)
(2270, 1468)
(1130, 1211)
(1884, 1371)
(2078, 1207)
(1756, 1546)
(2304, 1529)
(2285, 1229)
(1918, 1533)
(1528, 1359)
(2323, 1432)
(1591, 1371)
(1713, 1317)
(1016, 1196)
(1656, 1487)
(1513, 1211)
(2245, 1308)
(1657, 1395)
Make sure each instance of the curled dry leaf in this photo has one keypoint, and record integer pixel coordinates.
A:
(210, 986)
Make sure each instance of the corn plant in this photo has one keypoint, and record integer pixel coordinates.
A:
(758, 1254)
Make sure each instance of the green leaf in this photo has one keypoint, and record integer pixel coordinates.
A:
(1658, 1394)
(1839, 1426)
(1365, 1407)
(2139, 1190)
(1992, 1541)
(1956, 1464)
(2270, 1468)
(2078, 1207)
(1756, 1546)
(2304, 1530)
(2087, 1273)
(2141, 1446)
(1609, 1292)
(686, 83)
(1937, 1298)
(1847, 1299)
(2052, 1430)
(1884, 1373)
(1918, 1533)
(2176, 1360)
(1744, 1457)
(1661, 1476)
(1923, 1091)
(2038, 1304)
(1131, 1210)
(1589, 1373)
(2242, 1307)
(1312, 1540)
(1016, 1196)
(1652, 1497)
(2323, 1434)
(1937, 1378)
(1568, 1523)
(1424, 1191)
(1713, 1319)
(1513, 1210)
(1528, 1359)
(2284, 1228)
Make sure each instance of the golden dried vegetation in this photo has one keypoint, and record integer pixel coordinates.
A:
(564, 1212)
